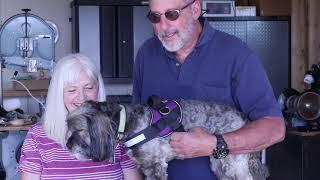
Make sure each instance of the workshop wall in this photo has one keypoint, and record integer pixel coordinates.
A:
(57, 11)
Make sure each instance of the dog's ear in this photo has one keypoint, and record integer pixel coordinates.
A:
(102, 137)
(110, 108)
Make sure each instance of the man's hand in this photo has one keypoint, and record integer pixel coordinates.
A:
(198, 142)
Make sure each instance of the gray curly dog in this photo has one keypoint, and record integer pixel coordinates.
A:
(92, 134)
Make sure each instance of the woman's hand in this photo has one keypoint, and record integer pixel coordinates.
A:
(29, 176)
(132, 174)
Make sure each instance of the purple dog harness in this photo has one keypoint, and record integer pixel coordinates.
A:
(158, 115)
(166, 118)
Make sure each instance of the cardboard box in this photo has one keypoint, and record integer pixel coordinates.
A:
(246, 11)
(272, 7)
(41, 84)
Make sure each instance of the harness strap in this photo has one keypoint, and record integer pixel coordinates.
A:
(155, 102)
(143, 136)
(154, 130)
(166, 118)
(169, 121)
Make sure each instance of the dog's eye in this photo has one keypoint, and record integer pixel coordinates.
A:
(75, 131)
(103, 108)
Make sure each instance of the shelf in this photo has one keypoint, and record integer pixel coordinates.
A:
(250, 18)
(15, 128)
(310, 133)
(15, 93)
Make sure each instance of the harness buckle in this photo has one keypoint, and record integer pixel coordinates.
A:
(164, 111)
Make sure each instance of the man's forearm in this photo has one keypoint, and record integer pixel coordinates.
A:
(256, 136)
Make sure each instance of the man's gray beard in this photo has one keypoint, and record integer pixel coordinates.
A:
(186, 35)
(173, 47)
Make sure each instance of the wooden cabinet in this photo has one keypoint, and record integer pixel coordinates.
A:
(296, 158)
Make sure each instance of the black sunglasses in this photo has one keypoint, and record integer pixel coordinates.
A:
(172, 14)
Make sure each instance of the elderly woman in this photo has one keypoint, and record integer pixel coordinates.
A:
(44, 154)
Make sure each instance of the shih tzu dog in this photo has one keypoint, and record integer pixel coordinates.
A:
(95, 129)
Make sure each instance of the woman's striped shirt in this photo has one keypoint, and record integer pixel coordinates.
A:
(42, 155)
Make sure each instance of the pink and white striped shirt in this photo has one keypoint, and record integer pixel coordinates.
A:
(42, 155)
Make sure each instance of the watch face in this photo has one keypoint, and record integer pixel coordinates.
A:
(222, 153)
(221, 150)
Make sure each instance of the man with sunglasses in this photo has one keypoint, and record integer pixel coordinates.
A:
(189, 59)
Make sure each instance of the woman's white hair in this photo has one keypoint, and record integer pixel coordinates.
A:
(66, 71)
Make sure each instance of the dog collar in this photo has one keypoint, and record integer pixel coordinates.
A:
(122, 122)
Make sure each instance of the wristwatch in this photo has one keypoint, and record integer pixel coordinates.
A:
(221, 150)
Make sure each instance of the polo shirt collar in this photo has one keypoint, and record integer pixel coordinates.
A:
(206, 34)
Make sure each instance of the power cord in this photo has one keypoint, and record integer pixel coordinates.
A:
(203, 11)
(15, 80)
